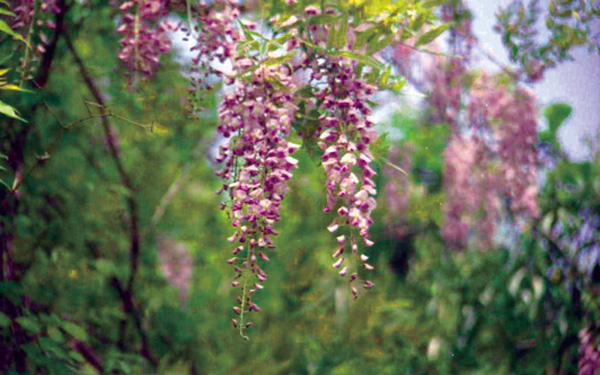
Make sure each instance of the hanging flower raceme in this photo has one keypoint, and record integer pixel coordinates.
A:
(589, 353)
(447, 85)
(40, 14)
(513, 121)
(256, 118)
(472, 195)
(176, 265)
(216, 41)
(493, 157)
(24, 11)
(344, 137)
(144, 34)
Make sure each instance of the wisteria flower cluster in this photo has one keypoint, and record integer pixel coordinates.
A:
(176, 265)
(513, 119)
(27, 12)
(344, 134)
(257, 119)
(144, 34)
(216, 42)
(472, 198)
(257, 161)
(494, 158)
(311, 63)
(447, 85)
(589, 353)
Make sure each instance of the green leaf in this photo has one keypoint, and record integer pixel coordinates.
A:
(53, 347)
(380, 148)
(75, 331)
(342, 33)
(4, 320)
(385, 76)
(8, 30)
(29, 324)
(14, 88)
(418, 22)
(380, 43)
(249, 34)
(367, 60)
(280, 60)
(76, 356)
(323, 19)
(55, 334)
(5, 184)
(430, 35)
(432, 3)
(11, 290)
(373, 75)
(10, 111)
(7, 13)
(556, 114)
(5, 58)
(331, 35)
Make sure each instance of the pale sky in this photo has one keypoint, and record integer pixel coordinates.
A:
(576, 83)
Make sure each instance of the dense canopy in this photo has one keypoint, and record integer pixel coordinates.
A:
(292, 187)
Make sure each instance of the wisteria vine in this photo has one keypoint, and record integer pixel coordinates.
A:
(318, 60)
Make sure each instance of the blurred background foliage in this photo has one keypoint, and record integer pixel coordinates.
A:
(69, 303)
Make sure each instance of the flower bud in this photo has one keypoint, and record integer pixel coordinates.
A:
(338, 263)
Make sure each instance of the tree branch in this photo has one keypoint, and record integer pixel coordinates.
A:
(125, 293)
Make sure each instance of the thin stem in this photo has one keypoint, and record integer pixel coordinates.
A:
(389, 163)
(442, 54)
(28, 45)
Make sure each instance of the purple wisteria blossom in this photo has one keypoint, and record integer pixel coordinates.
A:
(493, 157)
(26, 12)
(345, 133)
(144, 31)
(217, 38)
(258, 164)
(589, 353)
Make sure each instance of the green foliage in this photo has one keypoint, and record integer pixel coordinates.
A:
(555, 114)
(67, 213)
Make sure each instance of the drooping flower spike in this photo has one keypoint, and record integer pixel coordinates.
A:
(344, 136)
(257, 161)
(144, 31)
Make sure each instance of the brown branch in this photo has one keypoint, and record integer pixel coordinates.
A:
(111, 132)
(46, 64)
(113, 141)
(90, 355)
(125, 293)
(130, 308)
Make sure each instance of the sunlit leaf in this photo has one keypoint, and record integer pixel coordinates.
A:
(280, 59)
(14, 88)
(10, 111)
(556, 114)
(367, 60)
(75, 331)
(29, 324)
(7, 12)
(430, 35)
(8, 30)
